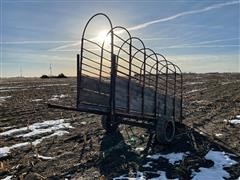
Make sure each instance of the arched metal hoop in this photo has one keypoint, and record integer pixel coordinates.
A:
(136, 77)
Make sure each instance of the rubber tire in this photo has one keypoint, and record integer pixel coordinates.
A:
(109, 127)
(165, 130)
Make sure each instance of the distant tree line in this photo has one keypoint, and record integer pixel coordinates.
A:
(61, 75)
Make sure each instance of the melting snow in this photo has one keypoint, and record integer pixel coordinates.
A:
(221, 160)
(193, 83)
(172, 157)
(56, 127)
(47, 85)
(9, 87)
(139, 149)
(57, 97)
(57, 133)
(36, 100)
(201, 101)
(44, 157)
(39, 128)
(234, 121)
(7, 178)
(3, 99)
(83, 123)
(7, 127)
(53, 99)
(224, 83)
(4, 151)
(195, 90)
(140, 176)
(147, 165)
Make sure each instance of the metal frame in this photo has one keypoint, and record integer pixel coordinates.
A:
(140, 68)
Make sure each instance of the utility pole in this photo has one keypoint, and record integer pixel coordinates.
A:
(50, 70)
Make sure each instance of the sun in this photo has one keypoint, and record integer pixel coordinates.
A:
(103, 35)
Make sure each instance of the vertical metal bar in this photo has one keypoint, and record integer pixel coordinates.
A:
(80, 73)
(113, 85)
(112, 82)
(77, 80)
(101, 61)
(143, 86)
(166, 92)
(156, 88)
(174, 97)
(181, 108)
(129, 78)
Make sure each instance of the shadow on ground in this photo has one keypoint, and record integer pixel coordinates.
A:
(119, 158)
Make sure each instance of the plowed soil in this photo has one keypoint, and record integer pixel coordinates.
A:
(85, 151)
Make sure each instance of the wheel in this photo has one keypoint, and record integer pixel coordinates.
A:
(108, 125)
(165, 130)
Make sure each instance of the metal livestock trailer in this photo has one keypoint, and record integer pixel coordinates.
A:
(128, 83)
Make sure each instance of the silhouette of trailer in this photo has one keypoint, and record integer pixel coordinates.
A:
(127, 83)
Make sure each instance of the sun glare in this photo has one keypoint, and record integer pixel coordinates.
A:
(103, 36)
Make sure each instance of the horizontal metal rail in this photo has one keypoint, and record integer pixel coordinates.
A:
(135, 82)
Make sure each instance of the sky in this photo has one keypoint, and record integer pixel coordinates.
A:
(198, 36)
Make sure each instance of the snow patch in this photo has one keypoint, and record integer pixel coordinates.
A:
(39, 128)
(147, 165)
(56, 127)
(3, 99)
(83, 122)
(49, 85)
(193, 83)
(44, 157)
(172, 157)
(201, 101)
(139, 149)
(218, 134)
(7, 178)
(40, 88)
(195, 90)
(221, 160)
(7, 127)
(225, 83)
(36, 100)
(4, 151)
(138, 176)
(9, 87)
(235, 121)
(57, 97)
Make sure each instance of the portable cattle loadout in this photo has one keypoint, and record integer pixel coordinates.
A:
(127, 83)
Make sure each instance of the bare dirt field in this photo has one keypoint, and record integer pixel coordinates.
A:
(37, 142)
